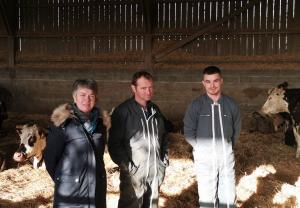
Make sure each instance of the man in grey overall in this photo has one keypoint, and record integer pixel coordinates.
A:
(212, 125)
(138, 144)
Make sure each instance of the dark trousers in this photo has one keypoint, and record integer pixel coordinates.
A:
(137, 192)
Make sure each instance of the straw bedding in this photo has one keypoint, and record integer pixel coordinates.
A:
(267, 174)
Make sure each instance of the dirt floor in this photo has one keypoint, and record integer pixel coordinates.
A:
(267, 173)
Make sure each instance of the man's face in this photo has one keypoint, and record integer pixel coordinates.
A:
(85, 99)
(213, 84)
(143, 91)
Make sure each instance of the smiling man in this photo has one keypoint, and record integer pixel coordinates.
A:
(138, 144)
(212, 125)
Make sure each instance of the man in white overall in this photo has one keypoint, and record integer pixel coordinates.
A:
(212, 125)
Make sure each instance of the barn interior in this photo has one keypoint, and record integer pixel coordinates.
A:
(46, 44)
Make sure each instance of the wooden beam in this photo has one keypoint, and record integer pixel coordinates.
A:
(75, 34)
(233, 32)
(44, 4)
(171, 33)
(205, 29)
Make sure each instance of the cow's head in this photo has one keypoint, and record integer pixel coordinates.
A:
(276, 101)
(32, 142)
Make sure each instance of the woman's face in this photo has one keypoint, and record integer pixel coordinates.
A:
(85, 99)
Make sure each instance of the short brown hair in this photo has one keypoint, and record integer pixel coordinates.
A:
(212, 70)
(85, 83)
(140, 74)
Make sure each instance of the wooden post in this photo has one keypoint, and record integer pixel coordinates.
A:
(294, 24)
(148, 14)
(148, 61)
(11, 50)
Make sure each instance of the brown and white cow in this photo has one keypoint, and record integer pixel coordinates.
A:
(281, 100)
(32, 144)
(106, 117)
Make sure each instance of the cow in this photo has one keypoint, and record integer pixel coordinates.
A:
(282, 122)
(266, 123)
(32, 144)
(284, 100)
(106, 116)
(273, 123)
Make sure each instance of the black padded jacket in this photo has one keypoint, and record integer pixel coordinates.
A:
(74, 163)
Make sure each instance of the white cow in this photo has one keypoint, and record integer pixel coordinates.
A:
(280, 100)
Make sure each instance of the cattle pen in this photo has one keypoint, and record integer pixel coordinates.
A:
(46, 44)
(267, 173)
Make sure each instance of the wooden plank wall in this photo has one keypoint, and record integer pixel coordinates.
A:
(80, 27)
(262, 30)
(3, 50)
(53, 29)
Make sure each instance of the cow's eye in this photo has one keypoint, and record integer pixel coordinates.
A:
(31, 141)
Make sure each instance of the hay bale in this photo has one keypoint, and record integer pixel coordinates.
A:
(257, 149)
(25, 187)
(178, 147)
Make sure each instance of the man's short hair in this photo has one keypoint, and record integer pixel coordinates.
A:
(140, 74)
(212, 70)
(85, 83)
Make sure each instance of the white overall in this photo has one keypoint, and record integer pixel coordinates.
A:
(214, 165)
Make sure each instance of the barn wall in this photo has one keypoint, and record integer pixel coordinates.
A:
(39, 88)
(81, 30)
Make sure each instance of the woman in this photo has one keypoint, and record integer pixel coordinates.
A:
(74, 150)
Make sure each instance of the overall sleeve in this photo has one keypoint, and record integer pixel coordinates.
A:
(54, 149)
(236, 124)
(190, 124)
(116, 138)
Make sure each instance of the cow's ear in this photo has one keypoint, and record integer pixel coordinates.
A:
(283, 85)
(19, 129)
